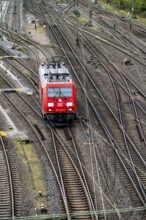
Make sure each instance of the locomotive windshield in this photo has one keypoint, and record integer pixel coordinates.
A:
(60, 92)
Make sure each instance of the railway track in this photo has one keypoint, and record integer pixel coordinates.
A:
(67, 187)
(7, 208)
(123, 163)
(75, 189)
(113, 29)
(75, 202)
(129, 146)
(117, 137)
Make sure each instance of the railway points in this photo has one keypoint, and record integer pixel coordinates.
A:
(83, 167)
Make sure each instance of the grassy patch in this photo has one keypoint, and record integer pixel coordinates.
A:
(32, 165)
(81, 17)
(41, 29)
(126, 13)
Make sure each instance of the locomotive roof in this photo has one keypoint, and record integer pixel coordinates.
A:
(55, 72)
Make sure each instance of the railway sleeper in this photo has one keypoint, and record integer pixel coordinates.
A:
(75, 186)
(73, 189)
(69, 180)
(76, 197)
(3, 169)
(5, 209)
(7, 200)
(4, 191)
(5, 204)
(4, 195)
(5, 215)
(4, 181)
(4, 188)
(75, 208)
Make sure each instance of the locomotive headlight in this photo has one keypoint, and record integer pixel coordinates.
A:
(50, 104)
(69, 109)
(69, 104)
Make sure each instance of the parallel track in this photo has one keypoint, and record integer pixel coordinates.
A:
(7, 207)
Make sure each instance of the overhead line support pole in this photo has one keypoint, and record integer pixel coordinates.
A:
(1, 19)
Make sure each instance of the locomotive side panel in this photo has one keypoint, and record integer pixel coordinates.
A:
(42, 88)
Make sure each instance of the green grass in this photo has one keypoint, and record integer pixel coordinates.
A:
(81, 18)
(32, 163)
(115, 10)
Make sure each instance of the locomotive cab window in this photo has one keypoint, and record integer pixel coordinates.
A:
(67, 91)
(53, 92)
(60, 92)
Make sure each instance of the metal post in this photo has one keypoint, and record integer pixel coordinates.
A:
(90, 13)
(1, 20)
(133, 8)
(77, 14)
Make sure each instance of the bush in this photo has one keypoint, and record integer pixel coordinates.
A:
(143, 14)
(77, 13)
(139, 5)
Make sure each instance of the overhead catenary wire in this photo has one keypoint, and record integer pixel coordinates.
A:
(90, 139)
(90, 125)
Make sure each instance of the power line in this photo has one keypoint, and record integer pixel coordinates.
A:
(80, 213)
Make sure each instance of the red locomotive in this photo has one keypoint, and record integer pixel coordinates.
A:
(57, 92)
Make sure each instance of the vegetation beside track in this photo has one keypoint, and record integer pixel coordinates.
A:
(32, 166)
(130, 8)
